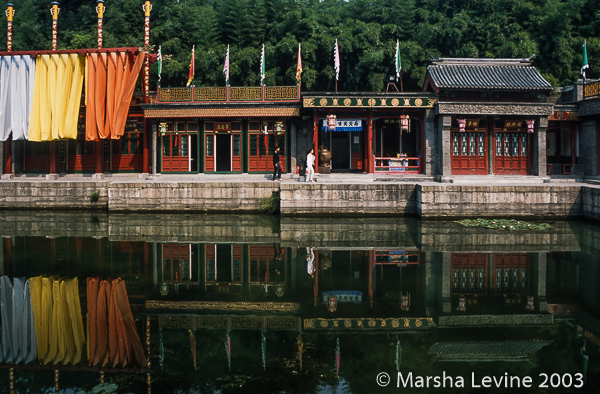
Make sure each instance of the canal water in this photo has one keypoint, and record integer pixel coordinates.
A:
(261, 304)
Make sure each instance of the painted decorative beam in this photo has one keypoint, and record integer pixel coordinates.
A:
(369, 102)
(494, 109)
(219, 112)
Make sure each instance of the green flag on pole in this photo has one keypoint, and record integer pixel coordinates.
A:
(584, 62)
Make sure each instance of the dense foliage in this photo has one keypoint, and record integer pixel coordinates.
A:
(366, 30)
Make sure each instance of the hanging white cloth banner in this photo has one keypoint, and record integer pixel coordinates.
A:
(17, 75)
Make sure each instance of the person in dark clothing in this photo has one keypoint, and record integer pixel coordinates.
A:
(276, 165)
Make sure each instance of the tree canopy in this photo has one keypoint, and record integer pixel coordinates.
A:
(366, 31)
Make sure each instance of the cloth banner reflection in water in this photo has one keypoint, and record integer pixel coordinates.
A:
(113, 337)
(57, 317)
(18, 335)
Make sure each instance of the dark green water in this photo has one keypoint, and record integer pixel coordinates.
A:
(400, 286)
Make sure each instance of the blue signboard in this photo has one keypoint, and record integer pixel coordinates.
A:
(344, 125)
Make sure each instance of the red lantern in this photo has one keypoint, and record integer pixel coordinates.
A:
(331, 304)
(331, 122)
(461, 124)
(405, 303)
(404, 122)
(530, 126)
(530, 306)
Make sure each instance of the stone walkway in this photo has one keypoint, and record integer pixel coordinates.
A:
(337, 178)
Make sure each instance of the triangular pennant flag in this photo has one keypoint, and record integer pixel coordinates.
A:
(398, 61)
(226, 67)
(336, 60)
(262, 66)
(192, 66)
(584, 62)
(299, 66)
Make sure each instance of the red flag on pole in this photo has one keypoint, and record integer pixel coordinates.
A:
(191, 75)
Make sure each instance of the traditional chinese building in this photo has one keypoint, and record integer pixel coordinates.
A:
(222, 129)
(491, 118)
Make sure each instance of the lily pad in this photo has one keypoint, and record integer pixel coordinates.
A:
(504, 224)
(105, 388)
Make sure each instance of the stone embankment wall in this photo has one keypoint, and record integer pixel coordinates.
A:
(445, 201)
(348, 199)
(298, 199)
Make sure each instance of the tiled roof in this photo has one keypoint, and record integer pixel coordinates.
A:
(485, 350)
(487, 74)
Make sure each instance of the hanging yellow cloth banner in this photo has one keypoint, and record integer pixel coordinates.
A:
(57, 319)
(56, 97)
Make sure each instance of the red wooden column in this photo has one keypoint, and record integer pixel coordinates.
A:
(572, 132)
(316, 278)
(8, 155)
(371, 168)
(371, 262)
(316, 139)
(422, 155)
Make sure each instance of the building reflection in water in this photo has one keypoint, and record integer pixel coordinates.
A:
(307, 298)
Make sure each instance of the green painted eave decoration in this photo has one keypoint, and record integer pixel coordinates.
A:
(504, 224)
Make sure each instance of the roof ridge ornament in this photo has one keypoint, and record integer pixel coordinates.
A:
(447, 61)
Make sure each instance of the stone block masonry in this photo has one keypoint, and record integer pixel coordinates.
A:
(188, 196)
(348, 199)
(428, 200)
(445, 201)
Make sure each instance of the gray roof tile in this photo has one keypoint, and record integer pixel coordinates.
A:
(488, 77)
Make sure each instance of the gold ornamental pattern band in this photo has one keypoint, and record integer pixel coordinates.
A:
(219, 112)
(224, 306)
(395, 323)
(369, 102)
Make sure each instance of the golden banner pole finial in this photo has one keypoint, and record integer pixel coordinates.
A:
(54, 12)
(100, 8)
(10, 12)
(147, 7)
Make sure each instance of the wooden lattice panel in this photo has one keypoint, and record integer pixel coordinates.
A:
(591, 89)
(279, 93)
(245, 94)
(175, 94)
(210, 94)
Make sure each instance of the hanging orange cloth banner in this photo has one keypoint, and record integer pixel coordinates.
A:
(116, 339)
(57, 97)
(111, 80)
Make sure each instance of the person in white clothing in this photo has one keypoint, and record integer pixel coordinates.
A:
(310, 165)
(310, 261)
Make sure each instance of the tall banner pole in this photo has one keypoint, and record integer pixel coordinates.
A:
(54, 11)
(10, 12)
(147, 8)
(100, 10)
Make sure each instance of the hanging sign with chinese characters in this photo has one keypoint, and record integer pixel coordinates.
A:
(222, 127)
(513, 124)
(343, 125)
(343, 296)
